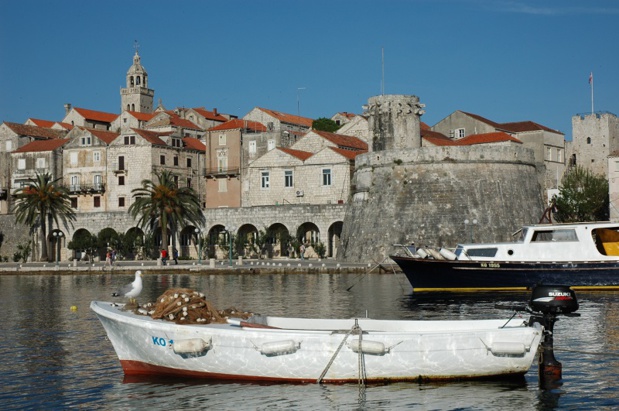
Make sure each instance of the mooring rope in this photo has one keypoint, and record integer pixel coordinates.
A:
(362, 379)
(354, 328)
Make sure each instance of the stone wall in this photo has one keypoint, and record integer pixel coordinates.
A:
(425, 195)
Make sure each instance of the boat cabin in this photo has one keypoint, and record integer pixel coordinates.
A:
(551, 242)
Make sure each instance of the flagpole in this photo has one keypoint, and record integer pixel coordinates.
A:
(591, 82)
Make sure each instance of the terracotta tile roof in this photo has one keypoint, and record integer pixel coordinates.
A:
(194, 144)
(289, 118)
(495, 137)
(239, 124)
(346, 114)
(349, 142)
(34, 131)
(424, 126)
(42, 123)
(347, 153)
(210, 115)
(66, 126)
(436, 138)
(177, 121)
(105, 136)
(523, 126)
(301, 155)
(42, 145)
(141, 116)
(151, 136)
(96, 115)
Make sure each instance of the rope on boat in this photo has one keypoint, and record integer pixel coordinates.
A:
(355, 328)
(362, 374)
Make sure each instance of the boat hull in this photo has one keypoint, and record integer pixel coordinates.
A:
(389, 351)
(466, 275)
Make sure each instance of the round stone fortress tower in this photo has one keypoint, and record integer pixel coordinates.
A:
(404, 192)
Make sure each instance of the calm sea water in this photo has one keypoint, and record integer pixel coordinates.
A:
(54, 358)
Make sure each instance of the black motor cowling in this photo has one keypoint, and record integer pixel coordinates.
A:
(553, 299)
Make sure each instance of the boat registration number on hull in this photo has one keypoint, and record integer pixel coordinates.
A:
(490, 265)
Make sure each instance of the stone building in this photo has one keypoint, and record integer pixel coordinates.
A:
(83, 117)
(356, 126)
(229, 149)
(315, 170)
(548, 145)
(130, 119)
(594, 137)
(86, 168)
(137, 96)
(425, 194)
(12, 137)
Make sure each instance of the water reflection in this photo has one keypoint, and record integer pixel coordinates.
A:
(53, 357)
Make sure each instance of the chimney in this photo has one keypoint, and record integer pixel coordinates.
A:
(67, 108)
(215, 111)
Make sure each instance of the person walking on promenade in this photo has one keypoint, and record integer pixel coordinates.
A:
(175, 256)
(302, 251)
(164, 256)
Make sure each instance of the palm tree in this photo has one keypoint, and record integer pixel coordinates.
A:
(42, 200)
(165, 205)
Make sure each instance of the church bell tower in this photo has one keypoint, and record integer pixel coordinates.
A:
(137, 96)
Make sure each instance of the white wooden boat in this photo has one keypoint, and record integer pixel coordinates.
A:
(277, 349)
(584, 255)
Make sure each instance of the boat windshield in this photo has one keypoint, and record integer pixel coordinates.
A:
(554, 235)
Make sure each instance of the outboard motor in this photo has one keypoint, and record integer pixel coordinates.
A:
(548, 301)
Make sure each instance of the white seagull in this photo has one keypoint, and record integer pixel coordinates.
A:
(131, 290)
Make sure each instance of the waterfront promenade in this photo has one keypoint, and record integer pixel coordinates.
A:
(208, 267)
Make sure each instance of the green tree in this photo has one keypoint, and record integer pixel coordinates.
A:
(39, 203)
(164, 205)
(325, 124)
(583, 196)
(83, 240)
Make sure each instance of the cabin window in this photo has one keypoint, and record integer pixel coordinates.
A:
(479, 252)
(554, 235)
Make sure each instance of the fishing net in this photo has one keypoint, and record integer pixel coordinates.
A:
(185, 306)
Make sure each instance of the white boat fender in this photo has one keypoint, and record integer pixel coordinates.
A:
(274, 348)
(506, 348)
(421, 253)
(435, 254)
(368, 347)
(191, 346)
(448, 254)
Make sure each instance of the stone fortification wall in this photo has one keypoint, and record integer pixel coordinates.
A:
(394, 122)
(13, 234)
(424, 196)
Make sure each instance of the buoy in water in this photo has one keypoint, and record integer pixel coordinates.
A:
(74, 308)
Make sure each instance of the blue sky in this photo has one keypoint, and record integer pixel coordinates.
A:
(504, 60)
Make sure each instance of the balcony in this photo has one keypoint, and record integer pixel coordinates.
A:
(220, 172)
(86, 189)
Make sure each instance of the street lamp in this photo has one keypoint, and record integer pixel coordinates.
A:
(230, 229)
(197, 231)
(57, 238)
(466, 222)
